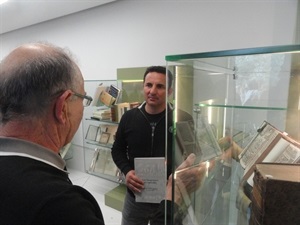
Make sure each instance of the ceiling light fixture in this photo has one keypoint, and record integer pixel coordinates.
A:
(2, 1)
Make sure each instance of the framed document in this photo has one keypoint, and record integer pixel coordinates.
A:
(104, 138)
(92, 133)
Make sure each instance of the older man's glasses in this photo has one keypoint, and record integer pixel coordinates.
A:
(86, 99)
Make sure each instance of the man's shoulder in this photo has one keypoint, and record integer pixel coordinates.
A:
(132, 112)
(130, 116)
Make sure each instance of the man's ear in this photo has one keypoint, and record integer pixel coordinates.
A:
(60, 107)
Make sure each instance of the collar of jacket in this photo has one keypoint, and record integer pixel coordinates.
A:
(170, 106)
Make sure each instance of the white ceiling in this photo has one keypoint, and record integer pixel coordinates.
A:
(15, 14)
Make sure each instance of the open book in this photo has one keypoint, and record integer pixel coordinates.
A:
(268, 145)
(106, 95)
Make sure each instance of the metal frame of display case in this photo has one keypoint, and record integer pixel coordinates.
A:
(231, 93)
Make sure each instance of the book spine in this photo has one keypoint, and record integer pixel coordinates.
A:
(258, 197)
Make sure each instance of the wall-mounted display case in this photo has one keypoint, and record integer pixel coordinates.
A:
(229, 95)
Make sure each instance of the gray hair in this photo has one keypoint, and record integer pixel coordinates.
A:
(29, 82)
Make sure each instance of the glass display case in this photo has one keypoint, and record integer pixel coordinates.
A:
(101, 120)
(98, 132)
(229, 95)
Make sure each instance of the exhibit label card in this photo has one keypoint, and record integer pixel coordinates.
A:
(153, 172)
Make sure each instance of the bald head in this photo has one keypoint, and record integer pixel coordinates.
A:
(31, 75)
(28, 51)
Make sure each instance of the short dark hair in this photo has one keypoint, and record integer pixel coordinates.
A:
(27, 86)
(162, 70)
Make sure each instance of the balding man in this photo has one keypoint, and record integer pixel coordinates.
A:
(41, 105)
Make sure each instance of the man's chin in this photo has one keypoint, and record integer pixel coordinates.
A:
(151, 102)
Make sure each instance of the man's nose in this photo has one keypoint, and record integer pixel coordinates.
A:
(153, 90)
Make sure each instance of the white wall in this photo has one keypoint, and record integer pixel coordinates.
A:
(134, 33)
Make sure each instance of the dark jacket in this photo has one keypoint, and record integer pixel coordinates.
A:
(136, 138)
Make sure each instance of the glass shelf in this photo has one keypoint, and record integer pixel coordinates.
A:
(102, 121)
(97, 144)
(215, 104)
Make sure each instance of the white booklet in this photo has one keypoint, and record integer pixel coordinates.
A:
(153, 172)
